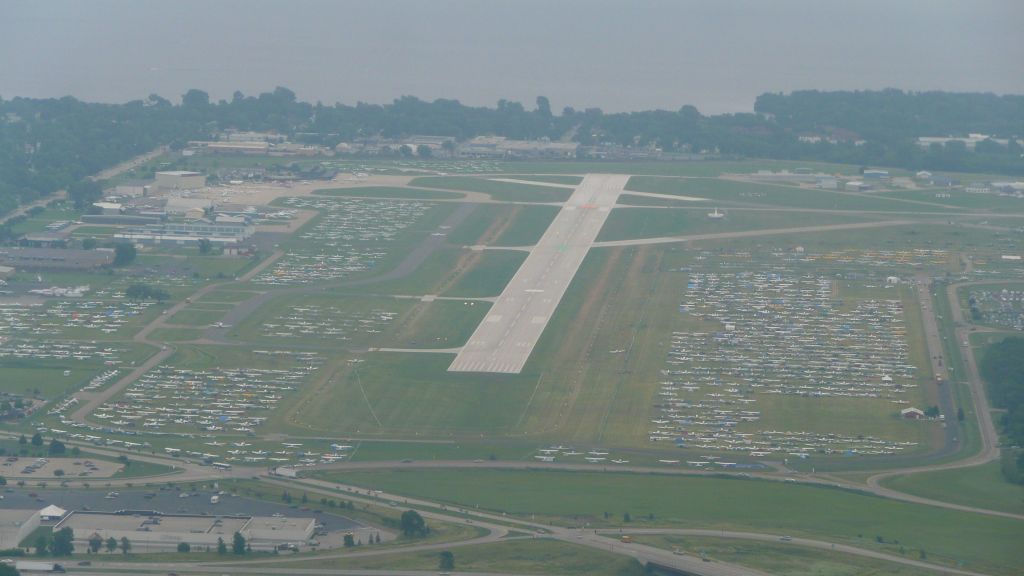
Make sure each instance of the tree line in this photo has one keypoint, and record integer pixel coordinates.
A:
(52, 144)
(1003, 370)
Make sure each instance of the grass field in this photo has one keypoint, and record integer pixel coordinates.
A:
(175, 334)
(538, 556)
(984, 542)
(782, 558)
(735, 192)
(488, 276)
(959, 198)
(413, 395)
(503, 225)
(228, 296)
(554, 179)
(981, 486)
(508, 191)
(385, 192)
(625, 224)
(38, 222)
(197, 316)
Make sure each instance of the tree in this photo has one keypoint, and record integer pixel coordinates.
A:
(412, 524)
(405, 150)
(42, 545)
(449, 147)
(111, 544)
(3, 481)
(8, 570)
(124, 253)
(140, 291)
(184, 547)
(349, 540)
(84, 192)
(63, 542)
(195, 99)
(126, 545)
(544, 106)
(37, 439)
(238, 543)
(424, 151)
(446, 561)
(222, 548)
(205, 246)
(89, 243)
(626, 517)
(22, 440)
(95, 542)
(57, 447)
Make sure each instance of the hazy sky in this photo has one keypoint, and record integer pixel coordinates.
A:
(717, 54)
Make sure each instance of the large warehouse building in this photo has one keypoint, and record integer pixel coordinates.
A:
(155, 532)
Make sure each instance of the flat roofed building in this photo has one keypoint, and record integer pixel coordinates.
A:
(223, 231)
(265, 532)
(150, 532)
(55, 258)
(153, 532)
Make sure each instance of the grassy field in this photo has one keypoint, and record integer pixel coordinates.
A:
(230, 296)
(507, 191)
(413, 395)
(175, 334)
(38, 222)
(731, 192)
(981, 486)
(197, 316)
(503, 225)
(961, 199)
(986, 543)
(554, 179)
(385, 192)
(488, 276)
(625, 224)
(782, 558)
(437, 324)
(538, 556)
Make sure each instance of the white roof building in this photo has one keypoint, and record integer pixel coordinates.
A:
(52, 512)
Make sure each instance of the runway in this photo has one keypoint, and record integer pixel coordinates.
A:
(503, 341)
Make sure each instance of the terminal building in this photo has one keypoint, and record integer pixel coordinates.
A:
(224, 230)
(155, 532)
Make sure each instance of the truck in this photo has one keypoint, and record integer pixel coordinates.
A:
(214, 499)
(30, 566)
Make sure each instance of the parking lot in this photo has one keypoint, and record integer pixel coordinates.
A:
(16, 468)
